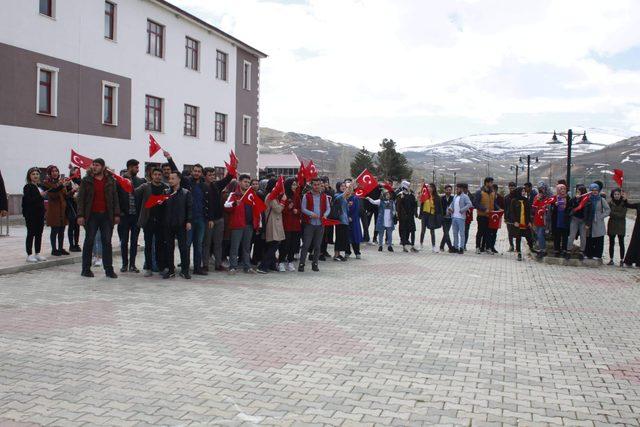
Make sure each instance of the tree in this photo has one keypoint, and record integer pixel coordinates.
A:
(392, 165)
(363, 160)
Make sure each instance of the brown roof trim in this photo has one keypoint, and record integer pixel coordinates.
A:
(205, 24)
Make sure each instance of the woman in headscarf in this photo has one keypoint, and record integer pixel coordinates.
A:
(431, 213)
(633, 251)
(340, 206)
(521, 215)
(407, 210)
(617, 224)
(560, 221)
(594, 222)
(56, 209)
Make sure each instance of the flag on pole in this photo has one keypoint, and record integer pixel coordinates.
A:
(154, 147)
(583, 201)
(233, 160)
(495, 220)
(277, 190)
(126, 184)
(251, 198)
(80, 160)
(302, 175)
(425, 193)
(618, 177)
(155, 199)
(387, 186)
(311, 171)
(366, 182)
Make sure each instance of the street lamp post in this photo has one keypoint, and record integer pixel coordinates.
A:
(528, 166)
(516, 168)
(569, 138)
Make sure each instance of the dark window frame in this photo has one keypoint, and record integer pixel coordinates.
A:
(49, 91)
(222, 59)
(156, 109)
(220, 127)
(155, 31)
(192, 51)
(111, 15)
(190, 120)
(49, 8)
(108, 98)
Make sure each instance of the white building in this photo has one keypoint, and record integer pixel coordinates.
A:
(99, 76)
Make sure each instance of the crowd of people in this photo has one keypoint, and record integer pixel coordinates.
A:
(217, 230)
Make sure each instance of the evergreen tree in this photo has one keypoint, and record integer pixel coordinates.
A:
(363, 160)
(391, 164)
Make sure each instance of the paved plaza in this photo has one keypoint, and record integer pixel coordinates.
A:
(392, 339)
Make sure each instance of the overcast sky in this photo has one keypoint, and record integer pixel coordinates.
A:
(418, 71)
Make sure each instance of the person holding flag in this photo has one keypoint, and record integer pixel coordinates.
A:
(617, 224)
(214, 233)
(315, 206)
(152, 196)
(242, 223)
(539, 211)
(98, 210)
(273, 226)
(594, 222)
(484, 201)
(576, 209)
(56, 215)
(407, 210)
(73, 229)
(560, 220)
(520, 211)
(292, 224)
(355, 229)
(128, 229)
(328, 229)
(176, 222)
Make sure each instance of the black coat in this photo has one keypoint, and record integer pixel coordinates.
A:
(32, 203)
(189, 183)
(123, 196)
(407, 209)
(4, 201)
(516, 211)
(633, 252)
(177, 209)
(216, 202)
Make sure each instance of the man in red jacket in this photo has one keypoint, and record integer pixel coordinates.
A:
(242, 223)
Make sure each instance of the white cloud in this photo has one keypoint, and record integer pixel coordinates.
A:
(477, 60)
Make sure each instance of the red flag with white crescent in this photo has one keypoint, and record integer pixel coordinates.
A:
(154, 147)
(80, 160)
(233, 160)
(277, 190)
(155, 199)
(360, 193)
(424, 193)
(495, 220)
(311, 171)
(618, 177)
(387, 186)
(583, 201)
(366, 181)
(124, 183)
(252, 199)
(231, 170)
(302, 175)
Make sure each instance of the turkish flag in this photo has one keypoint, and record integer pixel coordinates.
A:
(124, 183)
(277, 190)
(618, 177)
(360, 193)
(80, 160)
(154, 147)
(233, 160)
(387, 186)
(311, 171)
(366, 181)
(424, 193)
(495, 220)
(231, 170)
(75, 174)
(155, 200)
(251, 198)
(551, 200)
(583, 201)
(330, 222)
(302, 173)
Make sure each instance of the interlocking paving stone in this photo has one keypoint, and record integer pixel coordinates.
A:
(392, 339)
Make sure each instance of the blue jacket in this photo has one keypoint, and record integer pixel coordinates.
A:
(380, 220)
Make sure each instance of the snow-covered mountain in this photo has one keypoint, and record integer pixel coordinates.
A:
(507, 146)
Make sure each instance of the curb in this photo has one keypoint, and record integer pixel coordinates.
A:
(66, 260)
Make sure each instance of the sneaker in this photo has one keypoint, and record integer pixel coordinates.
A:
(148, 273)
(97, 262)
(434, 249)
(390, 248)
(291, 267)
(75, 248)
(86, 273)
(232, 271)
(250, 271)
(461, 251)
(610, 262)
(40, 257)
(452, 250)
(260, 271)
(301, 268)
(123, 269)
(314, 267)
(168, 274)
(185, 275)
(32, 258)
(281, 267)
(55, 252)
(379, 248)
(63, 252)
(133, 269)
(358, 256)
(519, 257)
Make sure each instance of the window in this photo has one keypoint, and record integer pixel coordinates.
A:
(46, 8)
(246, 130)
(109, 20)
(221, 127)
(192, 49)
(155, 39)
(221, 65)
(47, 93)
(190, 120)
(246, 76)
(110, 103)
(153, 114)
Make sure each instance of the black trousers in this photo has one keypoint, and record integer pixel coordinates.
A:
(153, 229)
(446, 239)
(128, 232)
(289, 246)
(482, 235)
(560, 238)
(365, 219)
(73, 231)
(466, 234)
(342, 238)
(57, 238)
(98, 222)
(35, 227)
(595, 247)
(170, 236)
(407, 235)
(612, 245)
(269, 257)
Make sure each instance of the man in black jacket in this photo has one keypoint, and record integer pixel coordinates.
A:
(128, 229)
(4, 202)
(445, 201)
(150, 221)
(177, 222)
(214, 232)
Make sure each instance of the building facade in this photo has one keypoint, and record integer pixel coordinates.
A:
(99, 76)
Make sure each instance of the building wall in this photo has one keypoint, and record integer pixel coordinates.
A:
(247, 105)
(75, 38)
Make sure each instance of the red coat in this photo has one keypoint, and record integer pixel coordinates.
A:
(237, 214)
(291, 221)
(539, 210)
(324, 202)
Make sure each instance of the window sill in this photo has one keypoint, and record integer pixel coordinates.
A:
(157, 57)
(110, 124)
(111, 40)
(47, 114)
(53, 18)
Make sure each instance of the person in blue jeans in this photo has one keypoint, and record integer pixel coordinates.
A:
(458, 208)
(385, 222)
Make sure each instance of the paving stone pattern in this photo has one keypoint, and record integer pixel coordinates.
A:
(392, 339)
